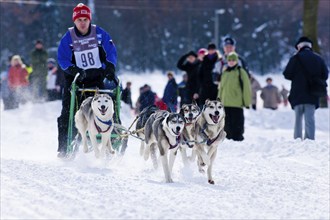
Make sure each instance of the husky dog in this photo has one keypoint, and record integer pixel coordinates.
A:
(210, 132)
(141, 121)
(163, 129)
(190, 112)
(96, 116)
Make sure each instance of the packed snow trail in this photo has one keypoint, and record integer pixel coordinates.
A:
(267, 176)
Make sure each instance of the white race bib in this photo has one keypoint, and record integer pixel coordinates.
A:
(88, 59)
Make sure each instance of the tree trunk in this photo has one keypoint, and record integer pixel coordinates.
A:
(310, 22)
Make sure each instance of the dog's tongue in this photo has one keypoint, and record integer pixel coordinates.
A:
(215, 118)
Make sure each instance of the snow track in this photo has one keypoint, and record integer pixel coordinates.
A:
(267, 176)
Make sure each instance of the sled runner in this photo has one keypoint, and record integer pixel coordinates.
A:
(118, 139)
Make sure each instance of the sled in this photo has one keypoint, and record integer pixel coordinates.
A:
(118, 138)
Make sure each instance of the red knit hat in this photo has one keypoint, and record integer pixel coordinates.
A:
(81, 11)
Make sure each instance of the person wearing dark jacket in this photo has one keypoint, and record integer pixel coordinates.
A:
(171, 93)
(190, 64)
(88, 50)
(146, 98)
(208, 90)
(126, 95)
(298, 70)
(183, 91)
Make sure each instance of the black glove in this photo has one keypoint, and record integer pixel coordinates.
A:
(109, 71)
(74, 70)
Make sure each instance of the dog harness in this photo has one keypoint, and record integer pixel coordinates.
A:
(109, 123)
(186, 141)
(209, 141)
(178, 138)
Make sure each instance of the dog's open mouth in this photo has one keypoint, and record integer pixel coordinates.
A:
(103, 111)
(215, 118)
(189, 120)
(177, 133)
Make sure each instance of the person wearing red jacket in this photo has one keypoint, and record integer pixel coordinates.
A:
(17, 80)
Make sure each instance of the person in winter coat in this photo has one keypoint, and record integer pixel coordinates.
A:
(38, 77)
(255, 86)
(190, 64)
(53, 92)
(126, 95)
(235, 94)
(299, 70)
(5, 92)
(170, 96)
(208, 90)
(183, 91)
(17, 81)
(86, 49)
(146, 98)
(270, 95)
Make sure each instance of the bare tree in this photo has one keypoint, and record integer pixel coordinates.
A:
(310, 22)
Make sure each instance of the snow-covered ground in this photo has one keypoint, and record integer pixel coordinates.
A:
(267, 176)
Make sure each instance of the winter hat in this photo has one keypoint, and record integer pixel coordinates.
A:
(229, 41)
(211, 46)
(51, 60)
(81, 11)
(38, 41)
(232, 56)
(202, 51)
(192, 53)
(304, 40)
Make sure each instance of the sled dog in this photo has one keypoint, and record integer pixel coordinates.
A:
(190, 112)
(163, 130)
(210, 132)
(95, 116)
(141, 121)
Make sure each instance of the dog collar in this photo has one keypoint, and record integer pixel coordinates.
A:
(109, 123)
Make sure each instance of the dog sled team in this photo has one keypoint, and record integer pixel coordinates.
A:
(162, 133)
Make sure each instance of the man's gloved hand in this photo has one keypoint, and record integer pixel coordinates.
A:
(109, 71)
(74, 70)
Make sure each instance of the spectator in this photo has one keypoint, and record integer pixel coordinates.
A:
(80, 42)
(284, 93)
(235, 93)
(208, 90)
(6, 95)
(255, 86)
(171, 93)
(53, 92)
(38, 77)
(17, 81)
(126, 95)
(183, 91)
(190, 64)
(201, 54)
(302, 67)
(60, 82)
(146, 98)
(270, 95)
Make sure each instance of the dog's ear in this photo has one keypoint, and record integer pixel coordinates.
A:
(207, 101)
(218, 99)
(194, 102)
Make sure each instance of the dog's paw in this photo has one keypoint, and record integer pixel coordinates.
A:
(211, 182)
(169, 181)
(201, 170)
